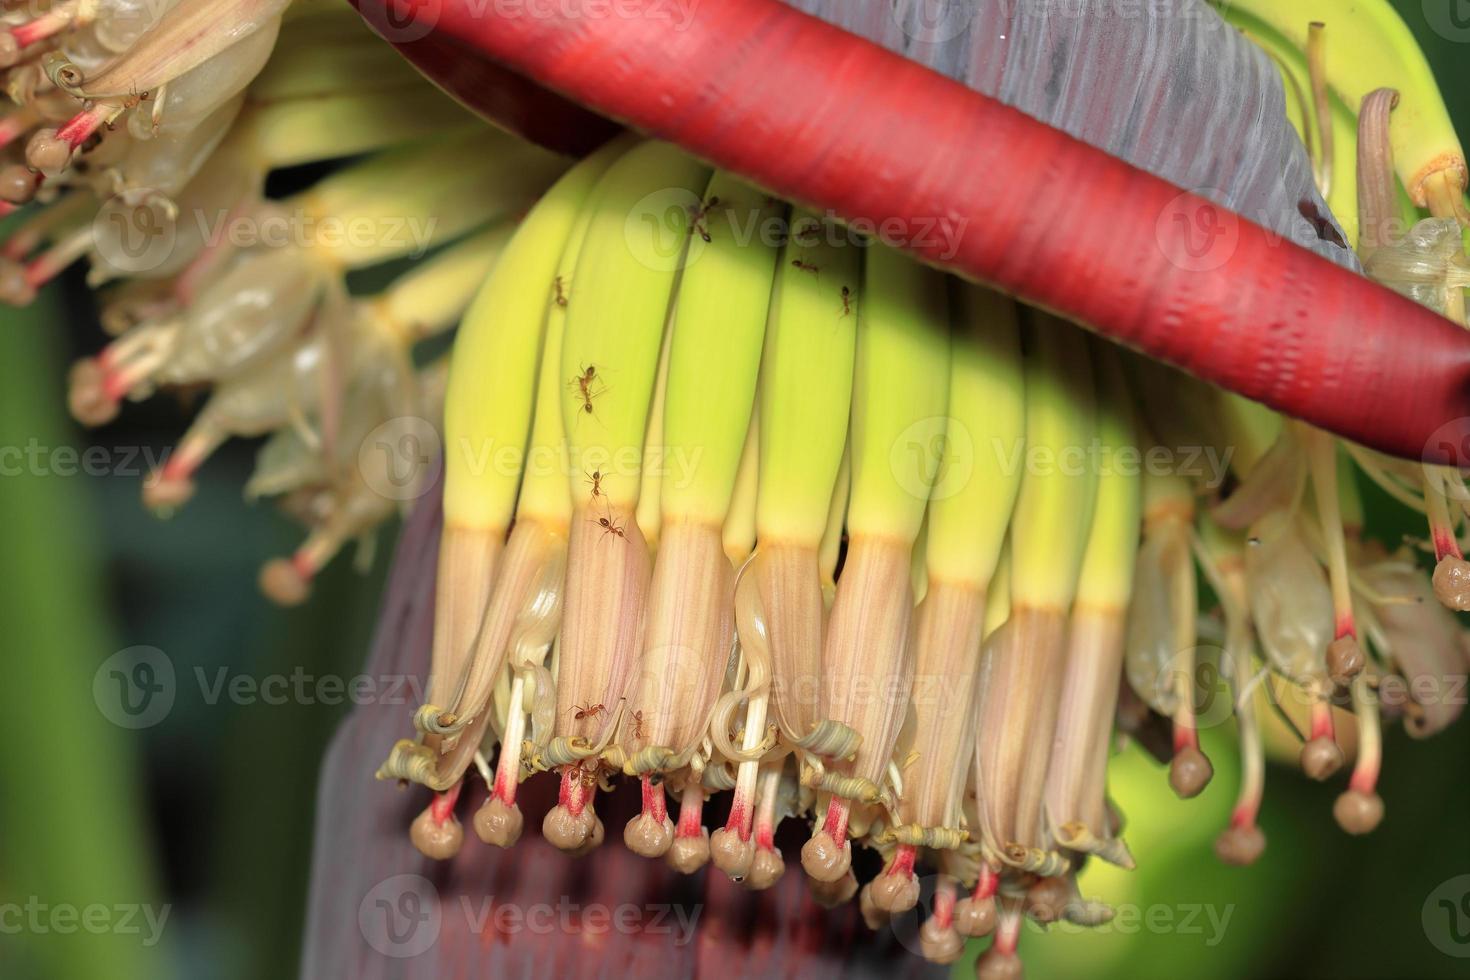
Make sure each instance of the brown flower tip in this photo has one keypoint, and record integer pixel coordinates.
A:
(1047, 899)
(594, 839)
(499, 823)
(283, 583)
(1357, 812)
(688, 854)
(831, 894)
(16, 288)
(439, 840)
(765, 870)
(975, 917)
(165, 493)
(648, 837)
(731, 854)
(1452, 583)
(873, 917)
(995, 964)
(1240, 846)
(47, 153)
(17, 184)
(1320, 758)
(567, 831)
(87, 396)
(1190, 772)
(895, 892)
(823, 859)
(940, 942)
(1345, 660)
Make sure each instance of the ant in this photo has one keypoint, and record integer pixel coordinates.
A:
(700, 215)
(638, 725)
(809, 233)
(805, 266)
(609, 526)
(590, 711)
(846, 300)
(561, 291)
(583, 384)
(595, 480)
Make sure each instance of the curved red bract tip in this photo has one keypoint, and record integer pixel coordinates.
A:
(830, 120)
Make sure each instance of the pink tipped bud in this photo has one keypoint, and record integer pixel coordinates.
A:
(1357, 812)
(1190, 772)
(1241, 845)
(499, 823)
(1320, 758)
(284, 582)
(18, 184)
(47, 152)
(436, 837)
(16, 288)
(87, 397)
(1452, 582)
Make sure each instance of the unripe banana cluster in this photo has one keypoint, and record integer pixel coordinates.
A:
(738, 501)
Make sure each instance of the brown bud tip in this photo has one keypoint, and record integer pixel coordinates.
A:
(499, 823)
(439, 841)
(648, 837)
(1047, 900)
(873, 917)
(731, 854)
(1344, 660)
(994, 964)
(15, 286)
(940, 943)
(688, 854)
(9, 50)
(1321, 758)
(975, 918)
(566, 832)
(823, 859)
(765, 870)
(282, 583)
(830, 894)
(1240, 846)
(895, 893)
(17, 184)
(86, 397)
(1358, 813)
(1190, 772)
(1452, 582)
(46, 153)
(594, 837)
(166, 495)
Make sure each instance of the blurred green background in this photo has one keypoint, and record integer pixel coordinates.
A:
(206, 815)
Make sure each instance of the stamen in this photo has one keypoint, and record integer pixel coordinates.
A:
(939, 940)
(436, 832)
(1360, 809)
(975, 915)
(767, 866)
(896, 890)
(651, 833)
(1000, 961)
(1321, 756)
(571, 825)
(828, 855)
(50, 150)
(690, 850)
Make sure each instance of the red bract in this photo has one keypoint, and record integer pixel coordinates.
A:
(822, 117)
